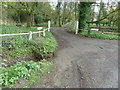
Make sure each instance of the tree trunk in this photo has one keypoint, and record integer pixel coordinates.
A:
(28, 20)
(84, 15)
(62, 22)
(59, 21)
(119, 17)
(99, 26)
(33, 20)
(19, 18)
(75, 11)
(58, 11)
(79, 19)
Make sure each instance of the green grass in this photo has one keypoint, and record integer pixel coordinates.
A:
(15, 29)
(103, 27)
(65, 24)
(37, 77)
(100, 35)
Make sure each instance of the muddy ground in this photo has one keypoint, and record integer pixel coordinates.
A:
(82, 62)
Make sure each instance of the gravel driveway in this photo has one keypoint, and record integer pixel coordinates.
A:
(82, 62)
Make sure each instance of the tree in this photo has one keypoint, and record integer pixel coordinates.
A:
(84, 14)
(119, 17)
(58, 10)
(27, 7)
(64, 13)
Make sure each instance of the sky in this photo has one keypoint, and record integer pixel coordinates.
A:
(87, 0)
(54, 0)
(96, 8)
(105, 1)
(108, 0)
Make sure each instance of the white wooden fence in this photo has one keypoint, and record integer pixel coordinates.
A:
(30, 33)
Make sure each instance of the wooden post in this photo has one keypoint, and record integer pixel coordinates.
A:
(44, 33)
(77, 23)
(48, 25)
(30, 36)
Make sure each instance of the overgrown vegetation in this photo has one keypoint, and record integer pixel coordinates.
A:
(19, 54)
(23, 70)
(105, 20)
(100, 35)
(20, 46)
(34, 13)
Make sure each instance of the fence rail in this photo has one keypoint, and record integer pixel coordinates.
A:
(30, 33)
(14, 34)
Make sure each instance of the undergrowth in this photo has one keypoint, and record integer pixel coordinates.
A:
(24, 70)
(100, 35)
(20, 46)
(40, 48)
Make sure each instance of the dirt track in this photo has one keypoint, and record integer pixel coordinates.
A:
(83, 63)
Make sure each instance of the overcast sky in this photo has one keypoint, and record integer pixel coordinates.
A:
(96, 8)
(90, 0)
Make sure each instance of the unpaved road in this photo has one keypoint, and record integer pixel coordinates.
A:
(83, 63)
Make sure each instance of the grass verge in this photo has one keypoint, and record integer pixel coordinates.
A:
(100, 35)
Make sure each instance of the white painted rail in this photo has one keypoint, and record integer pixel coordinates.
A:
(39, 28)
(37, 32)
(17, 34)
(94, 29)
(30, 34)
(14, 34)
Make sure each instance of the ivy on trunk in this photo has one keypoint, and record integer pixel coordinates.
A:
(84, 14)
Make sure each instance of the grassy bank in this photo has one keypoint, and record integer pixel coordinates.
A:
(100, 35)
(20, 46)
(19, 54)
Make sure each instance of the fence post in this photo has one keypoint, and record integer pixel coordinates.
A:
(44, 33)
(49, 25)
(76, 27)
(30, 36)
